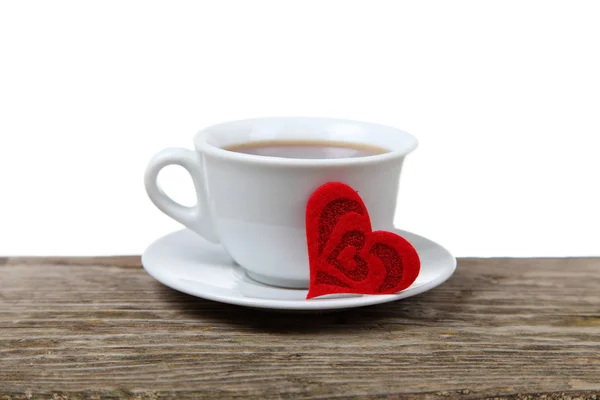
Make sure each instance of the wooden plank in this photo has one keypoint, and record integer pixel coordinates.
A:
(101, 327)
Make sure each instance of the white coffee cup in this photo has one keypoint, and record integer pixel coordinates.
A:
(255, 206)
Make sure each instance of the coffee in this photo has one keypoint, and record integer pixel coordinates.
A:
(306, 149)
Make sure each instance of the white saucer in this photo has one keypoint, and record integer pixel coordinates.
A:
(185, 262)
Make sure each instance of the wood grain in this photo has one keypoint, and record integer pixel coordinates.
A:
(102, 328)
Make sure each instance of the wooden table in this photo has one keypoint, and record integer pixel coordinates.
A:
(102, 328)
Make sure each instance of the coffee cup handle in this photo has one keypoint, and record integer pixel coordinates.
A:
(198, 217)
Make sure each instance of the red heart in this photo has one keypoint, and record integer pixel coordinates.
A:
(344, 253)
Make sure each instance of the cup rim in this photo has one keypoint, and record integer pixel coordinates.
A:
(203, 146)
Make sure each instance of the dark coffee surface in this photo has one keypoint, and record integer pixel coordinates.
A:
(307, 149)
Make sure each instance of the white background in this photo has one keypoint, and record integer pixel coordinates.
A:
(504, 97)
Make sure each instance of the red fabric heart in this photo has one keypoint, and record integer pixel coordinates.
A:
(344, 253)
